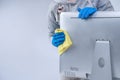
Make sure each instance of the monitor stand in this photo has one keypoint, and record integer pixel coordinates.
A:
(101, 69)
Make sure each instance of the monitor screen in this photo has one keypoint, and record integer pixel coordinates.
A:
(77, 60)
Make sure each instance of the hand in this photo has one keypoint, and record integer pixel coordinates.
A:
(58, 39)
(86, 12)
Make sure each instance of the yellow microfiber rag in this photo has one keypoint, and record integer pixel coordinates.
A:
(67, 43)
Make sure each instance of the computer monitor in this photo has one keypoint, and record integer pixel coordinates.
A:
(86, 34)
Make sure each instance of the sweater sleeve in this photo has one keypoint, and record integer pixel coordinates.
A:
(52, 23)
(104, 5)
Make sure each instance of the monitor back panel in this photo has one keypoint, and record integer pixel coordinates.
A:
(77, 60)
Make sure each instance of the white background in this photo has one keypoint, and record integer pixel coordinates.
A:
(25, 50)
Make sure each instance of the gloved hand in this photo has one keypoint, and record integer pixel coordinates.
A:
(86, 12)
(58, 39)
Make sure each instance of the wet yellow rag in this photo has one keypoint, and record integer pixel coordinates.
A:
(67, 43)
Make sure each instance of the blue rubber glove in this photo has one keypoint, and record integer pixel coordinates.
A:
(58, 39)
(86, 12)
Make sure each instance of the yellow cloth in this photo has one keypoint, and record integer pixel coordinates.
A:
(67, 43)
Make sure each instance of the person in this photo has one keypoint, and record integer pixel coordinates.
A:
(86, 8)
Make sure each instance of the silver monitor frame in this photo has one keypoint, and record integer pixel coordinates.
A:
(78, 60)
